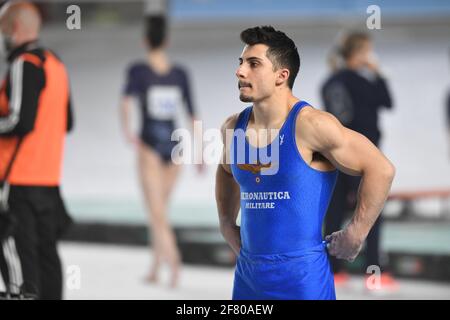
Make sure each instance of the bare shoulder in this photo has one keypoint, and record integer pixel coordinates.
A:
(227, 130)
(230, 123)
(311, 117)
(318, 128)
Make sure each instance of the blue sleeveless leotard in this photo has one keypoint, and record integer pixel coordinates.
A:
(283, 204)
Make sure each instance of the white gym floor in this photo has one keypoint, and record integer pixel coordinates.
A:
(117, 272)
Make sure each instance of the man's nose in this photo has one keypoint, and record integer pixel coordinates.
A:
(240, 72)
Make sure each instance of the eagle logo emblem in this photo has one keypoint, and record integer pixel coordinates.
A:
(254, 168)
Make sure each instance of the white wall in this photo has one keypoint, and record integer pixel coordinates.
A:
(99, 164)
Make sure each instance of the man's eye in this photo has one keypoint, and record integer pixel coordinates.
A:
(253, 64)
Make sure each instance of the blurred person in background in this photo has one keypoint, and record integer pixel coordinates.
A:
(355, 92)
(448, 120)
(161, 88)
(35, 114)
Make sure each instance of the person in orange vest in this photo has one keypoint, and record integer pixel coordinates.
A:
(35, 114)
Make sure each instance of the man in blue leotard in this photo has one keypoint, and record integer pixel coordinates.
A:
(284, 191)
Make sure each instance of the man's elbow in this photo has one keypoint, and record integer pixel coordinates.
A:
(389, 171)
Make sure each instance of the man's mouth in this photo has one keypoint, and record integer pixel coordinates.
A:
(244, 85)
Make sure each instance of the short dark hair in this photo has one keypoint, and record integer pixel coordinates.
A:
(282, 50)
(155, 30)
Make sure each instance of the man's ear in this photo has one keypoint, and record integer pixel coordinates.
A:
(15, 26)
(283, 76)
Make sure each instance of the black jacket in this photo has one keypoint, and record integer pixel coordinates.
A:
(355, 98)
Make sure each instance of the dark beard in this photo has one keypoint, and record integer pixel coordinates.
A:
(245, 98)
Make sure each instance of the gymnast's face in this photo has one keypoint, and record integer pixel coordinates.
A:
(256, 74)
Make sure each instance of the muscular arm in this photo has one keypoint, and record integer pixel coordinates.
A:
(227, 194)
(353, 154)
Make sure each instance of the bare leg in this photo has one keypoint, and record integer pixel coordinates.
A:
(153, 175)
(170, 173)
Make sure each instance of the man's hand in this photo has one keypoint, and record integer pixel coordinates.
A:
(232, 235)
(344, 244)
(372, 63)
